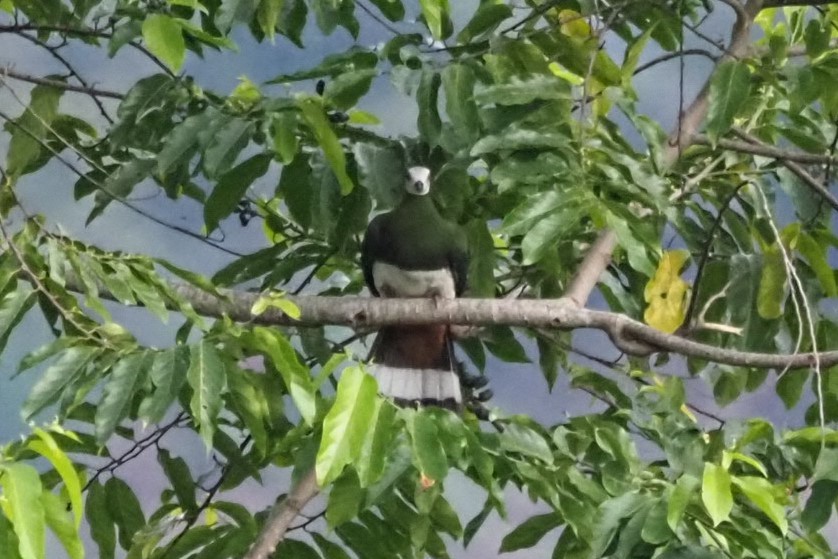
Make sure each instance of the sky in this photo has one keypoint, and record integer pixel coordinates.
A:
(518, 388)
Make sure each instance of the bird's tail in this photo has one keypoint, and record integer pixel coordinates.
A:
(415, 364)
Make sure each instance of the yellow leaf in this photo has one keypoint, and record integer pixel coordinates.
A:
(666, 293)
(574, 24)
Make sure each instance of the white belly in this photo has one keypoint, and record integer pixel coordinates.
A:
(390, 281)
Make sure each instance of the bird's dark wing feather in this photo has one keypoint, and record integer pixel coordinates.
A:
(372, 245)
(458, 262)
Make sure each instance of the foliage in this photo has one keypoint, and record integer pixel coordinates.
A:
(523, 118)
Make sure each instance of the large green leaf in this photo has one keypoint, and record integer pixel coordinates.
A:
(62, 524)
(125, 380)
(234, 11)
(25, 150)
(100, 521)
(207, 376)
(345, 499)
(333, 65)
(314, 115)
(179, 476)
(231, 188)
(295, 375)
(527, 441)
(225, 146)
(381, 170)
(345, 425)
(429, 122)
(458, 82)
(530, 532)
(124, 507)
(679, 499)
(428, 453)
(764, 495)
(167, 374)
(819, 506)
(436, 15)
(46, 446)
(728, 92)
(345, 90)
(164, 38)
(13, 307)
(58, 376)
(8, 540)
(392, 9)
(22, 495)
(772, 284)
(715, 492)
(487, 17)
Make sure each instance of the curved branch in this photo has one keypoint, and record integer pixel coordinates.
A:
(766, 150)
(563, 313)
(281, 516)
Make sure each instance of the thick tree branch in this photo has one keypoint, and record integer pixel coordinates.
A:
(93, 92)
(282, 515)
(627, 334)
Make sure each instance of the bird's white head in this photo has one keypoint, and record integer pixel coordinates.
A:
(418, 181)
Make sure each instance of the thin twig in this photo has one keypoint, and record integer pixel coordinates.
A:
(93, 92)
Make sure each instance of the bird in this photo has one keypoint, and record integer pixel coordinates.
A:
(413, 251)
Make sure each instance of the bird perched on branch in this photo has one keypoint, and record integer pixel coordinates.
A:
(412, 251)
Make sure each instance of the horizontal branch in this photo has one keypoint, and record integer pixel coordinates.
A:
(766, 150)
(629, 335)
(6, 72)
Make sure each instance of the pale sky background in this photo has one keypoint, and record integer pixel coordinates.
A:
(517, 388)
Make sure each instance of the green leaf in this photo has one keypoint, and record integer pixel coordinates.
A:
(381, 169)
(234, 11)
(487, 17)
(392, 9)
(268, 16)
(333, 65)
(13, 307)
(763, 494)
(545, 235)
(428, 453)
(125, 380)
(772, 284)
(436, 14)
(100, 521)
(331, 13)
(231, 188)
(458, 82)
(376, 449)
(523, 439)
(182, 142)
(226, 145)
(179, 476)
(346, 89)
(523, 91)
(530, 532)
(62, 524)
(345, 499)
(25, 150)
(8, 540)
(715, 492)
(286, 143)
(611, 515)
(46, 446)
(427, 99)
(315, 116)
(296, 549)
(22, 498)
(790, 387)
(818, 507)
(516, 138)
(295, 375)
(826, 466)
(481, 279)
(164, 38)
(729, 88)
(329, 549)
(207, 375)
(345, 425)
(125, 510)
(167, 374)
(56, 378)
